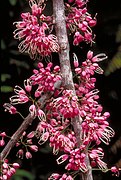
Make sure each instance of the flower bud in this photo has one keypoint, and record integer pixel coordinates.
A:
(16, 165)
(89, 55)
(28, 155)
(34, 148)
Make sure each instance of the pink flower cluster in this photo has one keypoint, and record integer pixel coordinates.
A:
(45, 78)
(79, 21)
(76, 159)
(7, 170)
(58, 134)
(27, 145)
(33, 31)
(95, 126)
(67, 104)
(55, 121)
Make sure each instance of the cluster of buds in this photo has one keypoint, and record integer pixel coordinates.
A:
(32, 31)
(67, 104)
(79, 21)
(76, 160)
(45, 78)
(26, 145)
(7, 170)
(59, 136)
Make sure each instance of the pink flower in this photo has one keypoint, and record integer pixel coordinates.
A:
(43, 138)
(32, 110)
(10, 108)
(41, 115)
(62, 158)
(79, 22)
(67, 105)
(21, 96)
(28, 85)
(35, 41)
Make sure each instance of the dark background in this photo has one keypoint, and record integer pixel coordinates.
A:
(19, 67)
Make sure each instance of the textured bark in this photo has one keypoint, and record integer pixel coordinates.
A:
(67, 77)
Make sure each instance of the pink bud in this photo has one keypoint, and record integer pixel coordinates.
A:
(2, 142)
(92, 23)
(50, 64)
(107, 114)
(3, 134)
(114, 169)
(31, 134)
(89, 55)
(5, 165)
(12, 170)
(93, 163)
(28, 155)
(76, 62)
(29, 141)
(34, 148)
(83, 73)
(16, 165)
(5, 177)
(54, 176)
(56, 68)
(13, 110)
(20, 153)
(37, 93)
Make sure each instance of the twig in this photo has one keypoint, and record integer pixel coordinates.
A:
(27, 121)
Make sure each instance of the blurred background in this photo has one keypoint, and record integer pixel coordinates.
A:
(16, 67)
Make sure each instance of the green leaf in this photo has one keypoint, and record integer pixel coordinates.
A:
(118, 35)
(13, 2)
(4, 77)
(115, 63)
(19, 63)
(16, 178)
(6, 89)
(23, 173)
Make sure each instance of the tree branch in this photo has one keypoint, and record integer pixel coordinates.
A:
(67, 77)
(28, 121)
